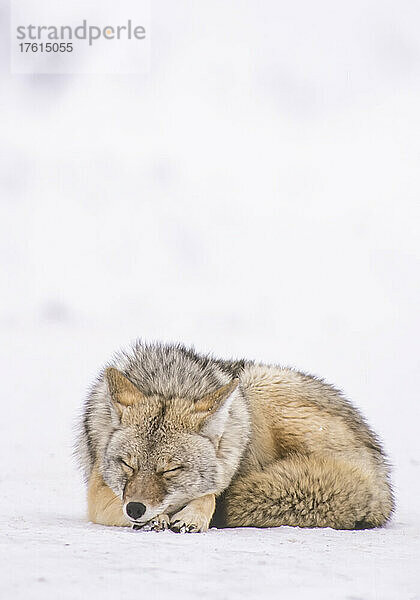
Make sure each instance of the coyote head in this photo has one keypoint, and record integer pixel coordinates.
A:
(163, 452)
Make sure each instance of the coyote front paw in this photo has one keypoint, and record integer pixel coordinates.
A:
(159, 523)
(189, 520)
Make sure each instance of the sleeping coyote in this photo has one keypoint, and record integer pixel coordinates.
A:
(166, 431)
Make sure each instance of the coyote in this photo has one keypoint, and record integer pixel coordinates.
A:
(166, 432)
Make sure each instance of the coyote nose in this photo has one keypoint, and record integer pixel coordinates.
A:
(135, 510)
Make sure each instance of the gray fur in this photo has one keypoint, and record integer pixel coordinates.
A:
(156, 369)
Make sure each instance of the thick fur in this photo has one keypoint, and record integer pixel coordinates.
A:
(170, 429)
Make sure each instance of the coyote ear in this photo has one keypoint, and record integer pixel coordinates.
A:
(123, 392)
(215, 408)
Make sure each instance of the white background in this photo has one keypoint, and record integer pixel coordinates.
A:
(257, 195)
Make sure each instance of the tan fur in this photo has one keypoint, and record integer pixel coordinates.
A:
(123, 392)
(304, 491)
(304, 467)
(211, 402)
(196, 516)
(149, 489)
(104, 507)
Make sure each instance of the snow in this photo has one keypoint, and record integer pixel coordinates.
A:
(256, 195)
(65, 557)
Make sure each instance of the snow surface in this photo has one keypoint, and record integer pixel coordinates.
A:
(256, 195)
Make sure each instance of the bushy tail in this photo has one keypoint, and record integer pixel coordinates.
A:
(309, 491)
